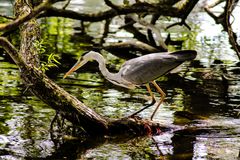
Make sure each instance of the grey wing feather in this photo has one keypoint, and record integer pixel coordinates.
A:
(147, 68)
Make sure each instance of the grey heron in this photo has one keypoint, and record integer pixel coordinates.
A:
(139, 71)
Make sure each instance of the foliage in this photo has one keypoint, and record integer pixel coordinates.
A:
(47, 60)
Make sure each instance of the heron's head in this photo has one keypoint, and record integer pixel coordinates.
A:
(81, 61)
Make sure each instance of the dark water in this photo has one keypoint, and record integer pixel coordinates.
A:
(203, 100)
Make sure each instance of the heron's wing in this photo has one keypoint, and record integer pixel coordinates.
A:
(149, 67)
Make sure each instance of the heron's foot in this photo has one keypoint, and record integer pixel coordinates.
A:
(133, 115)
(136, 117)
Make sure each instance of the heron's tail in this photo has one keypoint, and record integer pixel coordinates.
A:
(185, 55)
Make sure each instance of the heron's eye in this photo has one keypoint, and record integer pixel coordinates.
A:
(81, 58)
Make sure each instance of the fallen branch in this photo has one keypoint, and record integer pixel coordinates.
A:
(56, 97)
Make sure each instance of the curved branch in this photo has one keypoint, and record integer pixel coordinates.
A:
(180, 24)
(56, 97)
(13, 24)
(129, 27)
(12, 51)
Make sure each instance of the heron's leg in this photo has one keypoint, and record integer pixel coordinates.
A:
(163, 95)
(151, 94)
(152, 103)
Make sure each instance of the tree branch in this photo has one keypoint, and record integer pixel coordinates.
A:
(154, 29)
(224, 20)
(56, 97)
(12, 51)
(20, 20)
(110, 4)
(65, 6)
(141, 7)
(231, 34)
(188, 6)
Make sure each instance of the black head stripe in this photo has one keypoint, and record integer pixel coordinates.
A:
(84, 53)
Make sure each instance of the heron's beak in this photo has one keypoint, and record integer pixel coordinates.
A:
(75, 67)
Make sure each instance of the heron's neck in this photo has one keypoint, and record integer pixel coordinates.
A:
(115, 78)
(105, 71)
(102, 66)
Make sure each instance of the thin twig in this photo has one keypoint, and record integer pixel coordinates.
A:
(65, 6)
